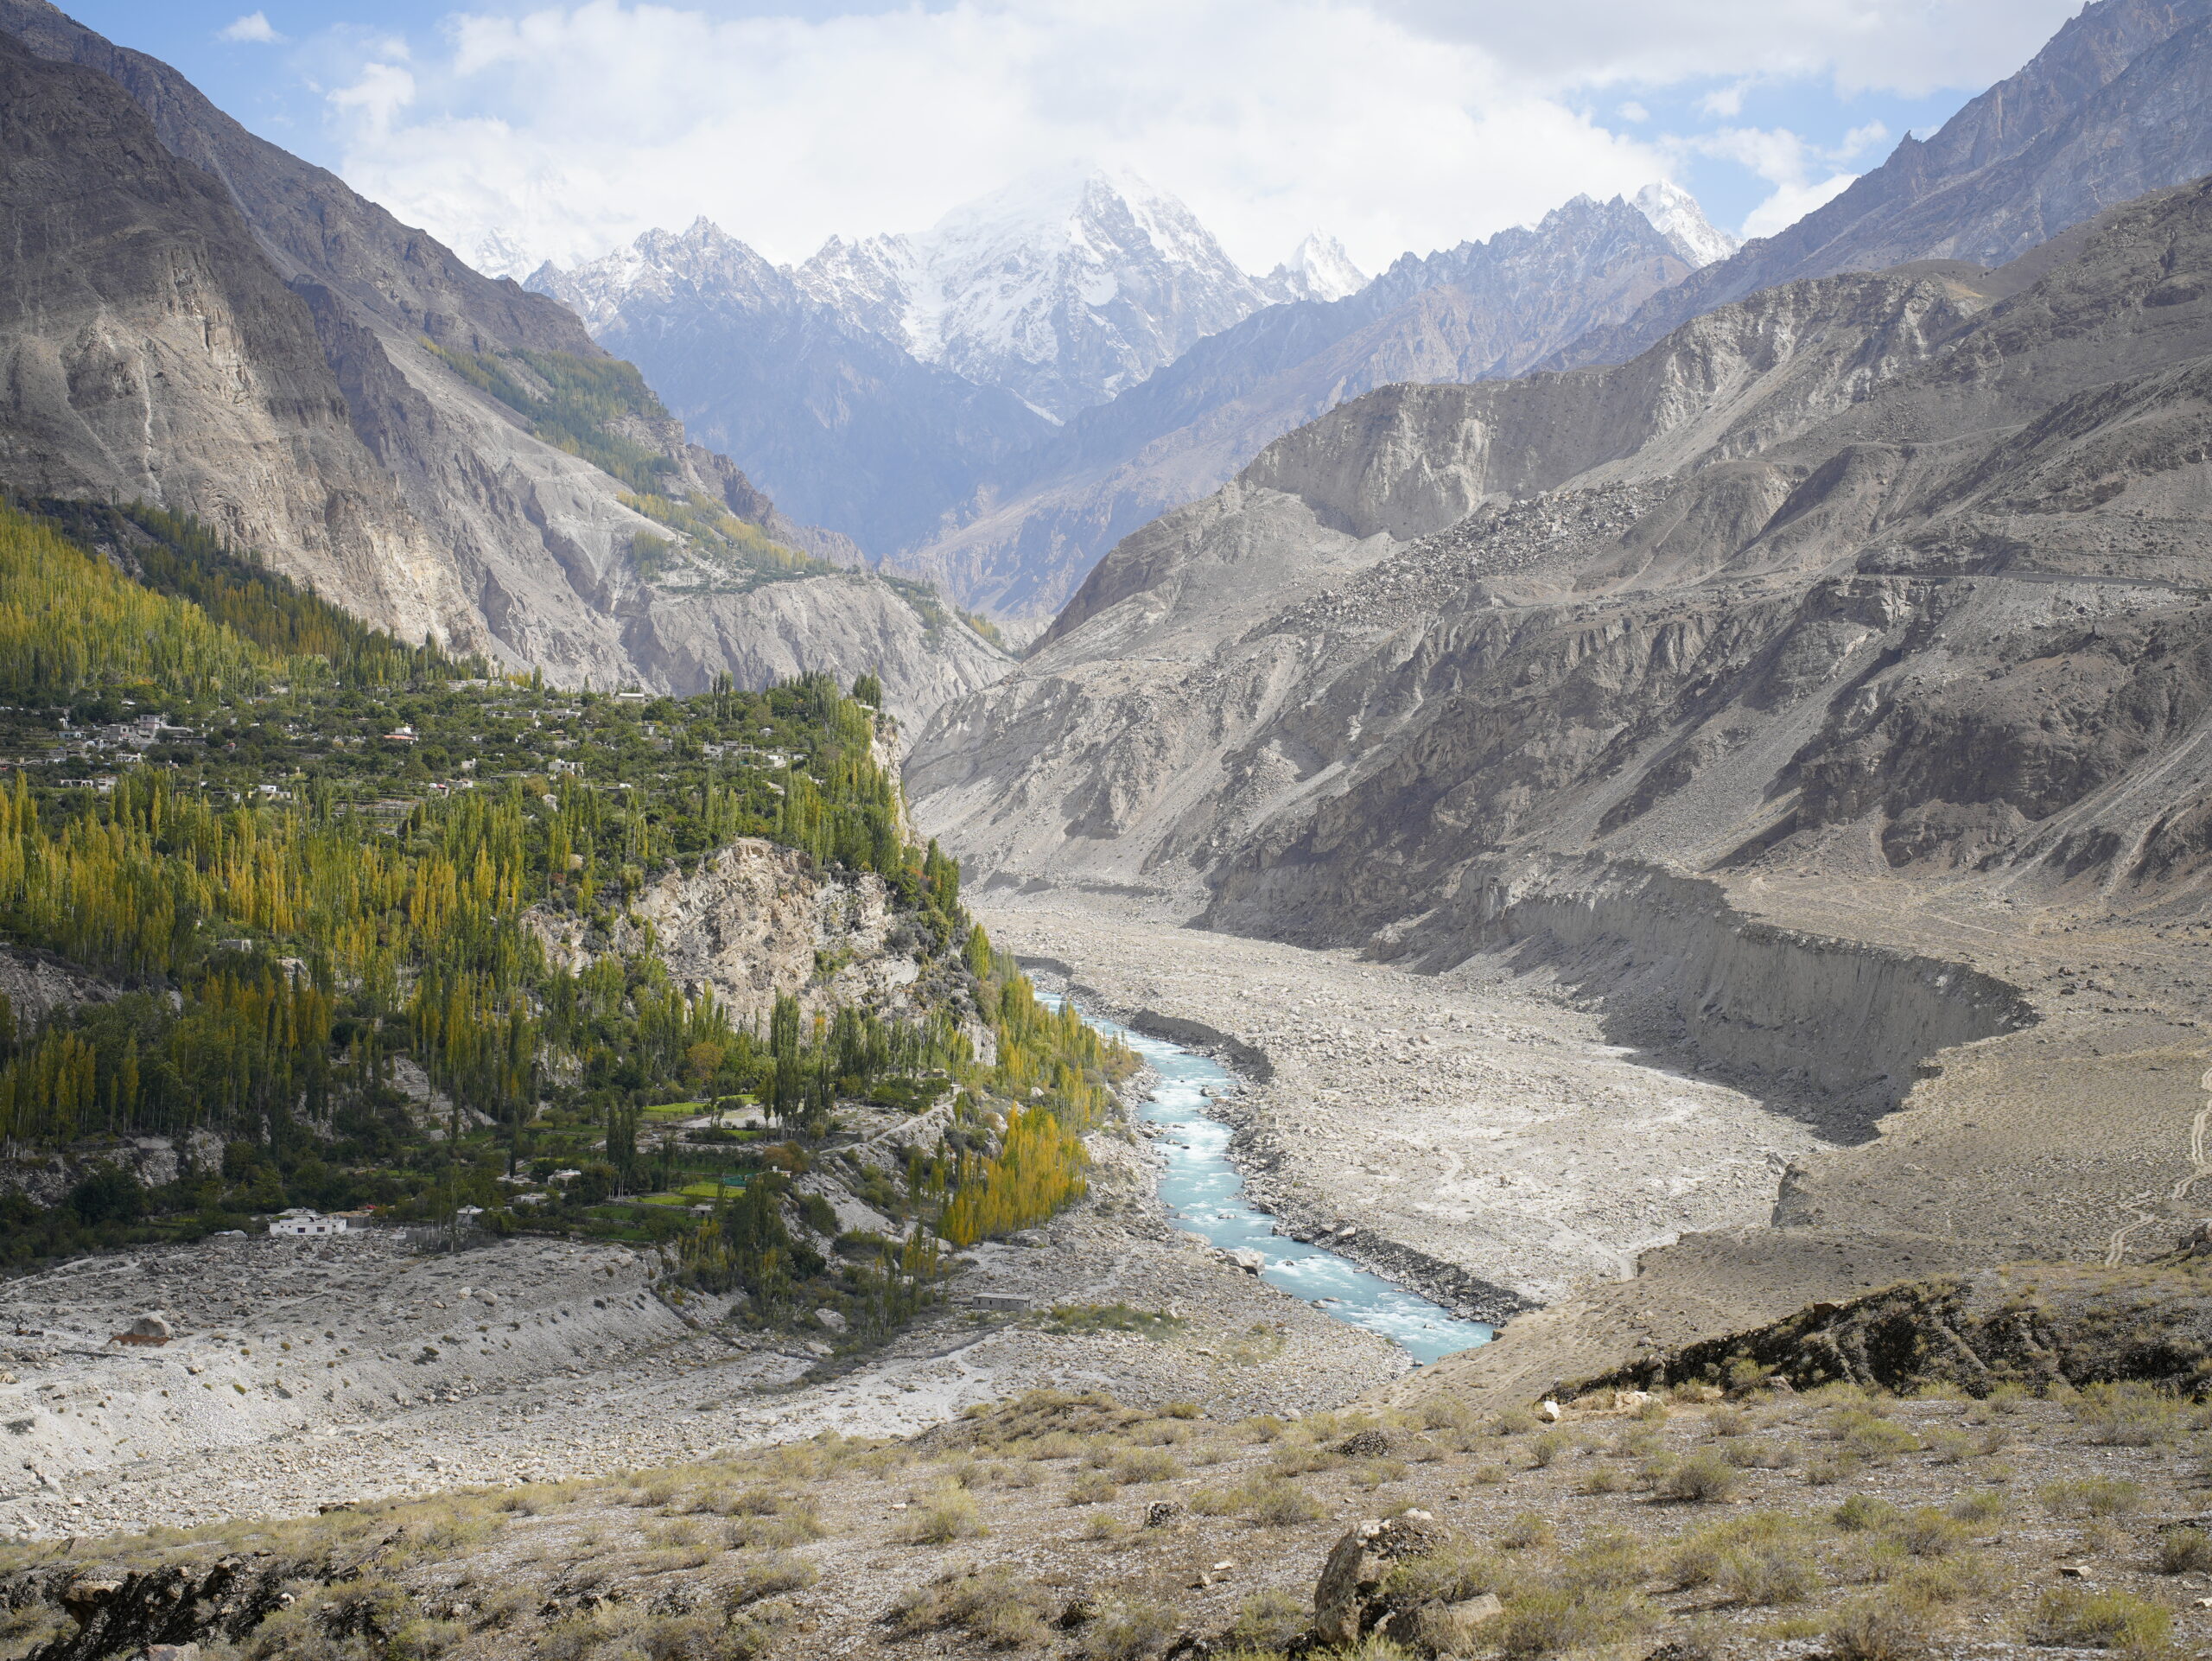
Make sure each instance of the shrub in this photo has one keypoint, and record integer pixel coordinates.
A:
(1979, 1505)
(1602, 1478)
(1878, 1628)
(2184, 1551)
(951, 1515)
(1127, 1628)
(1005, 1612)
(1145, 1465)
(1746, 1454)
(1545, 1448)
(2081, 1618)
(1457, 1570)
(1933, 1580)
(770, 1577)
(1548, 1620)
(1863, 1512)
(1277, 1504)
(1928, 1533)
(2128, 1415)
(1446, 1413)
(1092, 1488)
(1700, 1557)
(1869, 1436)
(1607, 1562)
(1763, 1576)
(2091, 1496)
(1526, 1530)
(1270, 1619)
(1700, 1479)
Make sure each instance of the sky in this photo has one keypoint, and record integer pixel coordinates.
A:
(518, 130)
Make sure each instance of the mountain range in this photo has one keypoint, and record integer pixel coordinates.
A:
(983, 403)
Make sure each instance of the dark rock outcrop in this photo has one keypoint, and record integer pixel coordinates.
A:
(2031, 1326)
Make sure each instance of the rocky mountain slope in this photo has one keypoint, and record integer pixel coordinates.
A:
(311, 377)
(2108, 109)
(1477, 310)
(1682, 608)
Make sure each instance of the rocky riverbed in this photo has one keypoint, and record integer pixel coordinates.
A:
(1473, 1127)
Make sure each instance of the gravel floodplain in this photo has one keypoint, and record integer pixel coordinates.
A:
(1470, 1116)
(305, 1373)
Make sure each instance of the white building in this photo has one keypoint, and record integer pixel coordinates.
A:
(301, 1224)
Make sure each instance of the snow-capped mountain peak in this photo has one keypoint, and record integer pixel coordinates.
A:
(1675, 214)
(1063, 287)
(702, 264)
(1318, 270)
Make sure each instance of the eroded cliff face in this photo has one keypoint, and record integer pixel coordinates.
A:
(152, 353)
(203, 321)
(1892, 578)
(755, 922)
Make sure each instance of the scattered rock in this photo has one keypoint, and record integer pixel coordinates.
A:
(1347, 1602)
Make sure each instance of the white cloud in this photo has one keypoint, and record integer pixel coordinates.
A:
(576, 126)
(1397, 124)
(1726, 102)
(1802, 176)
(375, 100)
(1791, 202)
(254, 27)
(1910, 47)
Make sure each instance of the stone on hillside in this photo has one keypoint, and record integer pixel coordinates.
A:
(1347, 1599)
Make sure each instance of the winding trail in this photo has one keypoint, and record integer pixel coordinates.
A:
(2199, 1169)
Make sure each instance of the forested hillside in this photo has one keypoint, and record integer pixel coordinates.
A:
(309, 875)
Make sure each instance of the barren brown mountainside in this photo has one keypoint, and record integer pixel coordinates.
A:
(1821, 690)
(212, 325)
(2109, 109)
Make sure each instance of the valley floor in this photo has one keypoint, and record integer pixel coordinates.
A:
(307, 1373)
(1474, 1116)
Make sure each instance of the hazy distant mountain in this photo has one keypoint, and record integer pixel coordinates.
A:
(1320, 269)
(879, 385)
(1674, 214)
(905, 389)
(2112, 107)
(1479, 310)
(840, 424)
